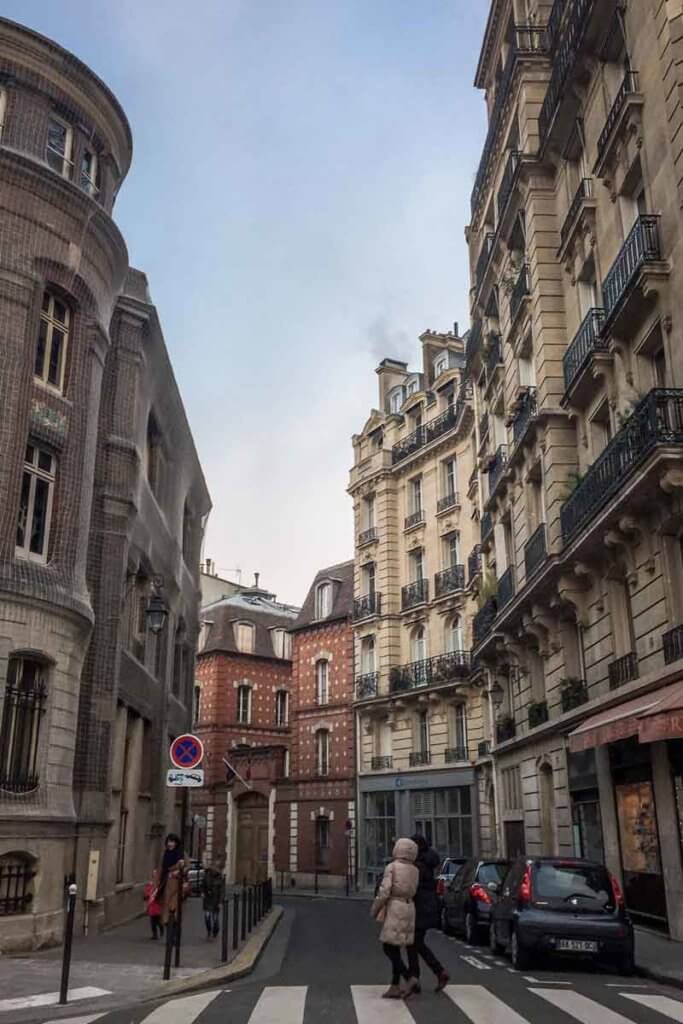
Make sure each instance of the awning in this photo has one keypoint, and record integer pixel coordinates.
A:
(663, 721)
(615, 724)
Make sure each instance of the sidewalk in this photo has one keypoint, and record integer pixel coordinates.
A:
(659, 957)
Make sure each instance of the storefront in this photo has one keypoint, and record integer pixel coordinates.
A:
(584, 794)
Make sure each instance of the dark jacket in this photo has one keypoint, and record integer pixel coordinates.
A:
(426, 900)
(212, 890)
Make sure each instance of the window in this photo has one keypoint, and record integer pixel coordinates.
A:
(444, 818)
(182, 663)
(323, 600)
(155, 462)
(245, 637)
(460, 727)
(58, 148)
(282, 643)
(416, 494)
(454, 638)
(53, 336)
(450, 479)
(419, 651)
(440, 365)
(450, 548)
(17, 871)
(368, 572)
(369, 513)
(322, 842)
(134, 620)
(659, 369)
(412, 386)
(536, 674)
(196, 704)
(396, 399)
(323, 751)
(244, 705)
(380, 831)
(281, 707)
(512, 789)
(24, 705)
(416, 565)
(35, 504)
(322, 677)
(367, 655)
(422, 732)
(188, 534)
(3, 108)
(90, 173)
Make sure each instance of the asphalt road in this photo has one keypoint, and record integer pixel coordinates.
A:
(325, 964)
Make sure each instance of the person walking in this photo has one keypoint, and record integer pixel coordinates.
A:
(426, 917)
(394, 907)
(212, 893)
(152, 905)
(171, 876)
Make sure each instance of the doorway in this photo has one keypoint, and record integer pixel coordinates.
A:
(514, 839)
(251, 862)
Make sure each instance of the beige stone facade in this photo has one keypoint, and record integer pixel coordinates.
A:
(576, 363)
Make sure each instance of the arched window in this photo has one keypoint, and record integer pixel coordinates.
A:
(244, 704)
(53, 338)
(23, 708)
(322, 677)
(419, 642)
(281, 707)
(244, 636)
(322, 743)
(17, 871)
(35, 504)
(396, 399)
(367, 655)
(323, 600)
(454, 636)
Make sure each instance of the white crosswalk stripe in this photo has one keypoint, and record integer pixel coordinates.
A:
(671, 1008)
(481, 1006)
(77, 1020)
(583, 1009)
(280, 1005)
(372, 1009)
(181, 1011)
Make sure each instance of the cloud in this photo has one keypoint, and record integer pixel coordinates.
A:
(387, 341)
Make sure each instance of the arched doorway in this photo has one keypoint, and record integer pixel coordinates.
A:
(251, 861)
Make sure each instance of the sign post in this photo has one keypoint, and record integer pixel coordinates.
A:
(186, 755)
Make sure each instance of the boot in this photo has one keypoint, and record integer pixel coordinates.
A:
(393, 992)
(442, 981)
(413, 988)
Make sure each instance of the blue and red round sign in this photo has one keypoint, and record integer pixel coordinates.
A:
(186, 751)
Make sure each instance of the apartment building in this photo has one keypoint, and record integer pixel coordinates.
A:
(420, 717)
(576, 361)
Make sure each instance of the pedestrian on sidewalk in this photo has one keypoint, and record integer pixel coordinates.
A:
(213, 888)
(171, 878)
(152, 905)
(394, 907)
(426, 917)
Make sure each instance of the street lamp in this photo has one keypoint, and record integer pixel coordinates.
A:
(156, 611)
(497, 695)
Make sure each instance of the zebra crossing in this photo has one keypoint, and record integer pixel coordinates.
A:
(534, 1003)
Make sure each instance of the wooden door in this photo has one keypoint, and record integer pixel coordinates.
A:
(251, 862)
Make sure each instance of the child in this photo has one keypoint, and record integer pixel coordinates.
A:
(149, 894)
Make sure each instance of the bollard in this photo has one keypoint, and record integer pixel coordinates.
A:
(68, 939)
(257, 913)
(235, 921)
(260, 899)
(282, 881)
(244, 915)
(179, 923)
(170, 939)
(224, 931)
(250, 911)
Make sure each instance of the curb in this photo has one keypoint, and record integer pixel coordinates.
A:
(357, 898)
(659, 976)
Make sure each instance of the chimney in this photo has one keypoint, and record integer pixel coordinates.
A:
(455, 329)
(207, 568)
(256, 577)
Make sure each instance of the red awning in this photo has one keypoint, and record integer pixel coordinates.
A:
(615, 724)
(663, 721)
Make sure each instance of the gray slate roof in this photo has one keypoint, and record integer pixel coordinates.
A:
(256, 607)
(341, 576)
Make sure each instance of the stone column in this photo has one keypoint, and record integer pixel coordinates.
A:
(669, 838)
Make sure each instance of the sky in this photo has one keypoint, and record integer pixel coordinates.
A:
(298, 196)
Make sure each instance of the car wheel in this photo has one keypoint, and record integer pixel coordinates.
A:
(470, 928)
(518, 954)
(445, 926)
(494, 944)
(626, 965)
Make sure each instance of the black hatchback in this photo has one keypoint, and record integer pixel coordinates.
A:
(468, 899)
(563, 906)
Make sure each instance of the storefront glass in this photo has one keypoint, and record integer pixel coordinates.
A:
(380, 832)
(585, 803)
(444, 818)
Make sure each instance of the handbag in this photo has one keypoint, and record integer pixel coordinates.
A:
(379, 905)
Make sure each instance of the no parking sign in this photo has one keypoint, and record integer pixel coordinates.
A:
(186, 751)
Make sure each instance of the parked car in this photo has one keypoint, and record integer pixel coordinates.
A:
(447, 873)
(469, 898)
(195, 876)
(562, 906)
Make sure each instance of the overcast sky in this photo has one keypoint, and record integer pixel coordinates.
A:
(299, 190)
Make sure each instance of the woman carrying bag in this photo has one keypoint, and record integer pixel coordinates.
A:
(394, 908)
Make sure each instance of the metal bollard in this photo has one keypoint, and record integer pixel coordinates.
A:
(179, 923)
(250, 911)
(244, 915)
(224, 931)
(235, 921)
(68, 939)
(170, 939)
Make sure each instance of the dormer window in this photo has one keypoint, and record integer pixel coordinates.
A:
(440, 365)
(396, 399)
(244, 636)
(323, 600)
(413, 386)
(282, 643)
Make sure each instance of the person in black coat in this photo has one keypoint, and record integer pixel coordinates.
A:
(426, 917)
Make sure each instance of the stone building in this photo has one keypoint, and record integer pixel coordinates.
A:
(422, 725)
(244, 675)
(315, 833)
(78, 517)
(576, 357)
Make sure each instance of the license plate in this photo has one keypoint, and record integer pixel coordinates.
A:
(577, 946)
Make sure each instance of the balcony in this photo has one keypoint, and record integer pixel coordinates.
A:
(494, 355)
(584, 193)
(414, 519)
(673, 644)
(486, 526)
(538, 713)
(483, 748)
(573, 694)
(449, 580)
(454, 754)
(656, 420)
(586, 342)
(367, 536)
(484, 258)
(381, 763)
(366, 606)
(623, 670)
(628, 87)
(483, 620)
(640, 248)
(367, 685)
(508, 181)
(506, 588)
(420, 758)
(527, 410)
(448, 501)
(535, 551)
(414, 594)
(473, 343)
(473, 563)
(496, 467)
(569, 42)
(519, 293)
(505, 729)
(483, 427)
(430, 431)
(554, 21)
(436, 671)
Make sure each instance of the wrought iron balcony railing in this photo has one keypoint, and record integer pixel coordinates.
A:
(584, 191)
(538, 713)
(420, 758)
(448, 580)
(379, 763)
(367, 605)
(573, 694)
(494, 355)
(414, 519)
(474, 339)
(506, 588)
(483, 748)
(483, 427)
(436, 671)
(454, 754)
(508, 180)
(554, 21)
(414, 594)
(484, 257)
(586, 341)
(656, 419)
(519, 292)
(640, 247)
(505, 729)
(627, 87)
(483, 620)
(367, 685)
(673, 644)
(486, 526)
(535, 551)
(367, 536)
(564, 58)
(473, 563)
(623, 670)
(497, 465)
(527, 410)
(451, 500)
(429, 431)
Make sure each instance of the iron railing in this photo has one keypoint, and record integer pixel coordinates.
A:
(442, 668)
(415, 593)
(583, 192)
(586, 341)
(452, 754)
(505, 729)
(519, 292)
(564, 58)
(414, 519)
(486, 525)
(473, 343)
(448, 501)
(527, 410)
(627, 87)
(496, 466)
(484, 257)
(483, 748)
(494, 355)
(507, 182)
(483, 620)
(673, 644)
(420, 758)
(623, 670)
(448, 580)
(367, 605)
(535, 551)
(483, 426)
(367, 536)
(16, 875)
(473, 563)
(23, 709)
(554, 22)
(428, 431)
(641, 246)
(506, 588)
(367, 685)
(656, 419)
(377, 764)
(538, 713)
(573, 694)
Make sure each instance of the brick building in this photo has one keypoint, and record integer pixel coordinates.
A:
(317, 800)
(100, 489)
(244, 677)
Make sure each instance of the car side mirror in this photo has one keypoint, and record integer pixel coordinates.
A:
(493, 887)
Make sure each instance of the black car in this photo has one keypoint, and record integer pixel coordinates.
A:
(562, 906)
(469, 898)
(447, 873)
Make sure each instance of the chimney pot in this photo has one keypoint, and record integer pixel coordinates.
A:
(256, 578)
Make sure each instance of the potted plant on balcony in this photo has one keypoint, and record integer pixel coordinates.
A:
(505, 728)
(573, 693)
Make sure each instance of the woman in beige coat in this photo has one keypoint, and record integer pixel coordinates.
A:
(394, 907)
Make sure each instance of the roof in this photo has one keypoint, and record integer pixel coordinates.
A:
(254, 606)
(342, 602)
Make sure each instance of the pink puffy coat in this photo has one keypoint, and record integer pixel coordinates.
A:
(396, 893)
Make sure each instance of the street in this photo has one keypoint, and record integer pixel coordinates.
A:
(325, 963)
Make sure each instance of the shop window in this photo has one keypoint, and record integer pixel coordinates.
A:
(17, 871)
(35, 504)
(444, 818)
(22, 713)
(379, 832)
